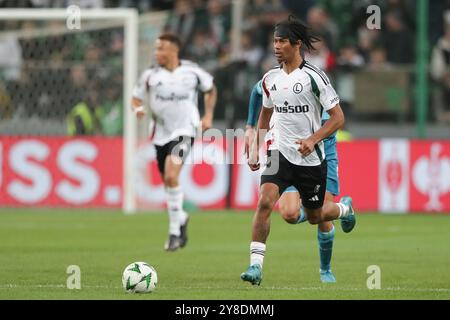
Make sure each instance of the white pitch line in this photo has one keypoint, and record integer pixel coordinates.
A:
(331, 288)
(51, 286)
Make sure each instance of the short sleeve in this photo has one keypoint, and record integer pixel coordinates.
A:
(328, 97)
(322, 89)
(206, 80)
(141, 88)
(267, 99)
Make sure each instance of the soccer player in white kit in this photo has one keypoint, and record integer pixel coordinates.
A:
(173, 87)
(295, 94)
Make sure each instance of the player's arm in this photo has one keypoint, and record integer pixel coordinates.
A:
(137, 106)
(335, 122)
(263, 128)
(329, 100)
(254, 108)
(210, 99)
(139, 92)
(264, 120)
(263, 125)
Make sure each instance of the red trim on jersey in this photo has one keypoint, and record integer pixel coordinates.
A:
(265, 88)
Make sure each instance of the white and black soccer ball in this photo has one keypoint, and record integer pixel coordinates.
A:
(139, 277)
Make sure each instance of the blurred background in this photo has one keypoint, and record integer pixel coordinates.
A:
(394, 82)
(374, 71)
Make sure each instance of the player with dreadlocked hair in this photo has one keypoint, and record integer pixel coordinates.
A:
(294, 30)
(289, 204)
(294, 97)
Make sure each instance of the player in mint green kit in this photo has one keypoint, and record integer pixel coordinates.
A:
(290, 206)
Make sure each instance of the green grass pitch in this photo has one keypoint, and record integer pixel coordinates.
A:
(37, 246)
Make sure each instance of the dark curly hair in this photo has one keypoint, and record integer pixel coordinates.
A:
(296, 30)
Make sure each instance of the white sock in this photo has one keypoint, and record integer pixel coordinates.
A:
(257, 252)
(183, 217)
(343, 210)
(175, 207)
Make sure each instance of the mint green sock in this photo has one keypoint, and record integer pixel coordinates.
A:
(325, 240)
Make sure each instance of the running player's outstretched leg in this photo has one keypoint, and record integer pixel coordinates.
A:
(333, 211)
(178, 218)
(261, 228)
(291, 212)
(348, 222)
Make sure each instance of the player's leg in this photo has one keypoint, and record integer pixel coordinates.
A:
(326, 230)
(173, 166)
(273, 183)
(290, 206)
(269, 195)
(331, 211)
(176, 152)
(311, 181)
(325, 239)
(178, 217)
(291, 212)
(162, 153)
(347, 221)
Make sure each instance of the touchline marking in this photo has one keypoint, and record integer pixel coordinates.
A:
(269, 288)
(51, 286)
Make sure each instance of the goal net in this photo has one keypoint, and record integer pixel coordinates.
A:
(53, 65)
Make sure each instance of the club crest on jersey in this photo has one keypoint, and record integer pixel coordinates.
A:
(298, 88)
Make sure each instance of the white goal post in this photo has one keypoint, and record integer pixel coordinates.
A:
(130, 19)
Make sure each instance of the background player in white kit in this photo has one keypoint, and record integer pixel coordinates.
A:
(295, 94)
(173, 87)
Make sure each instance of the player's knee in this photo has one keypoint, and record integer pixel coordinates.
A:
(313, 217)
(265, 203)
(289, 213)
(314, 220)
(170, 180)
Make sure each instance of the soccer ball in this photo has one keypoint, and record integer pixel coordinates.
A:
(139, 277)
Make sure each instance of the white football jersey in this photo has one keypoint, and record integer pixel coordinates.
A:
(174, 99)
(299, 99)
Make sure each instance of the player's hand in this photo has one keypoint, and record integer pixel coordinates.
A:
(253, 159)
(306, 146)
(254, 163)
(206, 123)
(248, 139)
(140, 112)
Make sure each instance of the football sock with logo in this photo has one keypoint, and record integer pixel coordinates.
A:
(257, 253)
(325, 240)
(175, 208)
